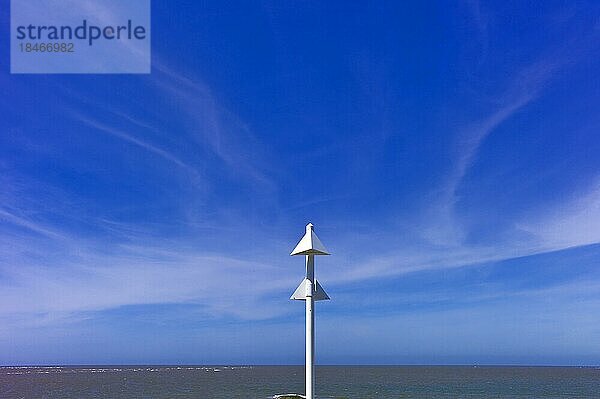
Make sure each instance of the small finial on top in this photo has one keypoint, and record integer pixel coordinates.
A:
(309, 227)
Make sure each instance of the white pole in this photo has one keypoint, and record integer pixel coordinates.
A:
(310, 291)
(310, 326)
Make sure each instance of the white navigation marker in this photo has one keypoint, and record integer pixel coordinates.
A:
(310, 290)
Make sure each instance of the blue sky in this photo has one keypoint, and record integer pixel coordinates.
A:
(447, 153)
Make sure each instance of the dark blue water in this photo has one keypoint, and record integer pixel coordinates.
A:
(142, 382)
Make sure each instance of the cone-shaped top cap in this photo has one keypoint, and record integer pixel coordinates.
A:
(310, 244)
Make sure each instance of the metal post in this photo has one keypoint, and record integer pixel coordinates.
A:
(310, 291)
(310, 326)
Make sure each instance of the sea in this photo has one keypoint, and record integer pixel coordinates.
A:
(262, 382)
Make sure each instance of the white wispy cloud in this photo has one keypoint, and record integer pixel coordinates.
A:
(88, 278)
(28, 224)
(440, 224)
(67, 275)
(571, 223)
(525, 87)
(436, 236)
(212, 125)
(199, 122)
(138, 142)
(50, 273)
